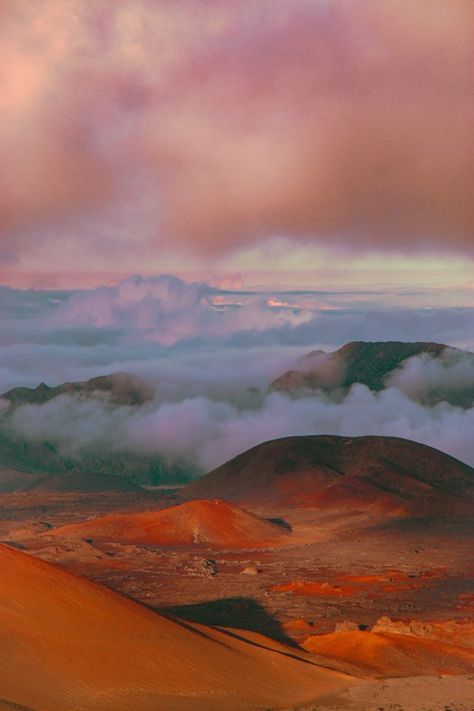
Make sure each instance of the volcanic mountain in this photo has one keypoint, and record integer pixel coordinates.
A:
(120, 388)
(68, 643)
(324, 471)
(29, 454)
(12, 479)
(211, 523)
(80, 482)
(371, 364)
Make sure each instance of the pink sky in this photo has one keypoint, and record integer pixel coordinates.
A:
(326, 139)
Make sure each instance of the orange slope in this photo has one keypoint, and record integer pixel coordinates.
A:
(213, 523)
(68, 644)
(392, 654)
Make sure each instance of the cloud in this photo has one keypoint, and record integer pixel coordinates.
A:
(195, 338)
(205, 433)
(209, 354)
(429, 380)
(166, 310)
(208, 126)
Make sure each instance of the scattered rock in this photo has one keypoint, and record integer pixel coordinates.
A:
(208, 567)
(346, 626)
(250, 570)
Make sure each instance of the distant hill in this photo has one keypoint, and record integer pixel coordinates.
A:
(80, 482)
(212, 523)
(12, 479)
(46, 457)
(121, 388)
(368, 363)
(342, 472)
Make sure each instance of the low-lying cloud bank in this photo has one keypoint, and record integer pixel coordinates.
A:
(202, 432)
(210, 355)
(200, 335)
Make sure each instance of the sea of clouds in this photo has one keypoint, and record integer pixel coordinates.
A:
(210, 355)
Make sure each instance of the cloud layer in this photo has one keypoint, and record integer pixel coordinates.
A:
(210, 354)
(195, 337)
(209, 126)
(204, 433)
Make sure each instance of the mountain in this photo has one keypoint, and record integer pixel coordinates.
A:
(48, 457)
(80, 482)
(120, 388)
(325, 471)
(12, 479)
(371, 364)
(212, 523)
(68, 643)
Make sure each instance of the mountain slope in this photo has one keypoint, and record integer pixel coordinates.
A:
(371, 364)
(214, 523)
(120, 388)
(326, 471)
(68, 643)
(80, 482)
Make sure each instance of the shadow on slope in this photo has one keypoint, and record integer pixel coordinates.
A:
(238, 612)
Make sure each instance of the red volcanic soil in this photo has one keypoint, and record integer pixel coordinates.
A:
(68, 643)
(392, 654)
(393, 581)
(449, 631)
(324, 472)
(211, 523)
(300, 587)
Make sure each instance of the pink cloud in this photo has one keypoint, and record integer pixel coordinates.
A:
(311, 119)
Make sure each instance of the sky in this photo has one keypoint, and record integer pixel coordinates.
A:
(322, 143)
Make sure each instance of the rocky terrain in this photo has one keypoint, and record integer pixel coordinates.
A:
(350, 555)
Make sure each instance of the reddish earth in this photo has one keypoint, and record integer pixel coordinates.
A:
(310, 588)
(457, 633)
(68, 643)
(392, 654)
(391, 581)
(214, 523)
(329, 472)
(287, 570)
(466, 603)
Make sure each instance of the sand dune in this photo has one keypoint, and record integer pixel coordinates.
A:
(213, 523)
(71, 644)
(325, 471)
